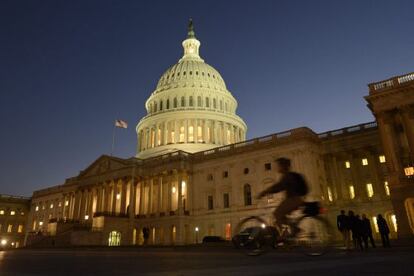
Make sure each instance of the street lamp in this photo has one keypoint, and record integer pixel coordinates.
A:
(196, 232)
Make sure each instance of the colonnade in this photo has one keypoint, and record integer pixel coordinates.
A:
(189, 131)
(149, 196)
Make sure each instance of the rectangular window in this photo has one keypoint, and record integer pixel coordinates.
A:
(370, 190)
(347, 164)
(226, 201)
(210, 202)
(20, 228)
(351, 192)
(268, 166)
(172, 138)
(330, 197)
(12, 213)
(209, 177)
(225, 174)
(364, 162)
(9, 228)
(382, 158)
(387, 188)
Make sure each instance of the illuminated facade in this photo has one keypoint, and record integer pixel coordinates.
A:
(196, 175)
(14, 211)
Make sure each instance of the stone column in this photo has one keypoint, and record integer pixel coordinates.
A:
(115, 191)
(133, 198)
(407, 115)
(91, 195)
(156, 135)
(160, 194)
(105, 197)
(195, 130)
(180, 193)
(165, 133)
(123, 197)
(215, 128)
(389, 138)
(141, 197)
(176, 132)
(186, 131)
(169, 194)
(150, 195)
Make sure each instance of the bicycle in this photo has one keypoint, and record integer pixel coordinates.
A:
(254, 236)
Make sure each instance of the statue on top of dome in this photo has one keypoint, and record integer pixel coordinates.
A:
(191, 33)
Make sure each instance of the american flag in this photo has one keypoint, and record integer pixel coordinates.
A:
(121, 124)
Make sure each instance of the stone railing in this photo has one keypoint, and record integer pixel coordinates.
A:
(272, 138)
(347, 130)
(393, 82)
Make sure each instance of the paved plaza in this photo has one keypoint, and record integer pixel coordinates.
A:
(202, 261)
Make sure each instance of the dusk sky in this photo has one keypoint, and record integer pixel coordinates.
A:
(68, 69)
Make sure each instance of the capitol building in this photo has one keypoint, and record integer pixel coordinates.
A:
(194, 173)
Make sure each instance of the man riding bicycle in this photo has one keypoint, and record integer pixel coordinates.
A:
(295, 186)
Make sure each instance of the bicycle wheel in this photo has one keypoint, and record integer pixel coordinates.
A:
(315, 237)
(253, 236)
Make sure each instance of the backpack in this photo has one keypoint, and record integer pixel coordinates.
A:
(301, 188)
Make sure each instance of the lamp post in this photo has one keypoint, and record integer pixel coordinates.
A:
(196, 233)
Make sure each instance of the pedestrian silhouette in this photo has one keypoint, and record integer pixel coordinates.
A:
(384, 231)
(367, 232)
(342, 222)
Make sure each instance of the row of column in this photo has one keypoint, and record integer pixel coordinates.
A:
(189, 131)
(163, 193)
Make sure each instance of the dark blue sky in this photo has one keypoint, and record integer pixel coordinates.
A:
(69, 68)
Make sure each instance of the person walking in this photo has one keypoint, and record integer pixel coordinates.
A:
(145, 233)
(367, 232)
(384, 230)
(355, 227)
(342, 222)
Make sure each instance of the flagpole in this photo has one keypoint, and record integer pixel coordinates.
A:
(113, 139)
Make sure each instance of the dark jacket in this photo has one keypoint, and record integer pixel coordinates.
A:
(383, 226)
(293, 183)
(367, 230)
(342, 221)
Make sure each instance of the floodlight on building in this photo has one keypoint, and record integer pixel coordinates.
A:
(86, 217)
(3, 242)
(118, 196)
(409, 171)
(174, 190)
(196, 229)
(263, 225)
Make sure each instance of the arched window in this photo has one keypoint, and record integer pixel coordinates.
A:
(221, 105)
(168, 104)
(190, 101)
(207, 102)
(182, 101)
(150, 108)
(161, 105)
(199, 101)
(155, 107)
(214, 103)
(114, 238)
(226, 106)
(247, 191)
(175, 103)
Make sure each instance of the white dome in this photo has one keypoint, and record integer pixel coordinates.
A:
(190, 109)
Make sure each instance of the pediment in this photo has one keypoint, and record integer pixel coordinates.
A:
(103, 165)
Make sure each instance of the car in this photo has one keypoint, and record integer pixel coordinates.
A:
(261, 235)
(211, 239)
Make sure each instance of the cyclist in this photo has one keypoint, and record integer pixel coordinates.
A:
(295, 186)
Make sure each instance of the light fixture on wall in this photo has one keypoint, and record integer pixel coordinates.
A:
(118, 196)
(174, 190)
(409, 171)
(86, 217)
